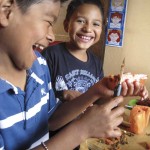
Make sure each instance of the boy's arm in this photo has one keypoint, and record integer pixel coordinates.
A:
(74, 108)
(97, 121)
(67, 95)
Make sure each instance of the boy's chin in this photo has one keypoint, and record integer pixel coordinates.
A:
(24, 66)
(84, 46)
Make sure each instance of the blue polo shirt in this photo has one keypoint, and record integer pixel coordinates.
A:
(24, 114)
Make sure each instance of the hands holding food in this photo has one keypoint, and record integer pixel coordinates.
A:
(139, 78)
(107, 85)
(132, 84)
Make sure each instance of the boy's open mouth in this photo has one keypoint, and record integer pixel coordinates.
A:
(38, 47)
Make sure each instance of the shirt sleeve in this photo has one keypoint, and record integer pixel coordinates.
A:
(53, 101)
(49, 58)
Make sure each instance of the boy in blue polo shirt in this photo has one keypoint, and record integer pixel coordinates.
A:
(26, 96)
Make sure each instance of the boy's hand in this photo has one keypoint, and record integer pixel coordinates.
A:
(134, 89)
(102, 120)
(128, 89)
(101, 89)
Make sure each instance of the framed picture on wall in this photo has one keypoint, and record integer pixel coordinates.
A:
(116, 23)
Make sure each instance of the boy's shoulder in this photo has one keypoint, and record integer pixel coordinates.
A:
(92, 53)
(94, 57)
(57, 46)
(54, 49)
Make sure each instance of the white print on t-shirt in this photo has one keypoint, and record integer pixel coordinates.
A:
(60, 84)
(79, 80)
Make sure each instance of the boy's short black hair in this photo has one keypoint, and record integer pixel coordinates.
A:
(25, 4)
(74, 4)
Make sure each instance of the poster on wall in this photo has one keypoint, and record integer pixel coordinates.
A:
(116, 23)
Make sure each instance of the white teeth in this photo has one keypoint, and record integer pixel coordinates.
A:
(86, 37)
(36, 45)
(39, 46)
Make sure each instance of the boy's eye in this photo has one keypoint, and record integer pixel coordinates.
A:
(50, 23)
(97, 24)
(80, 21)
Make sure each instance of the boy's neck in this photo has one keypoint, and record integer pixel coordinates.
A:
(17, 79)
(78, 53)
(13, 75)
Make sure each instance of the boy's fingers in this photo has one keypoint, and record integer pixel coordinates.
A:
(124, 89)
(118, 111)
(103, 87)
(116, 122)
(143, 92)
(127, 88)
(114, 102)
(116, 132)
(130, 88)
(136, 88)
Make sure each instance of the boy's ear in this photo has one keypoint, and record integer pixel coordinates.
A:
(66, 25)
(5, 11)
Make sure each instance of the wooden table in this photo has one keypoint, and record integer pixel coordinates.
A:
(136, 142)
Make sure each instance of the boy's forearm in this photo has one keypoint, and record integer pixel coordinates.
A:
(68, 138)
(76, 107)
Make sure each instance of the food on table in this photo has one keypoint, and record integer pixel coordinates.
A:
(115, 143)
(145, 102)
(114, 79)
(139, 118)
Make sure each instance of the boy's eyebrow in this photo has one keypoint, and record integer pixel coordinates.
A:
(100, 20)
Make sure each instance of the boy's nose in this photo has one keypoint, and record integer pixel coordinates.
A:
(87, 28)
(50, 36)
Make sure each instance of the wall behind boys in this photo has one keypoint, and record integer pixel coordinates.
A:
(61, 35)
(136, 47)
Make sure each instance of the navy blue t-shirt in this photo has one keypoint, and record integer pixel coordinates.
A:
(70, 73)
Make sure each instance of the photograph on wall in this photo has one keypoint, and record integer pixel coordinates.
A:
(116, 23)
